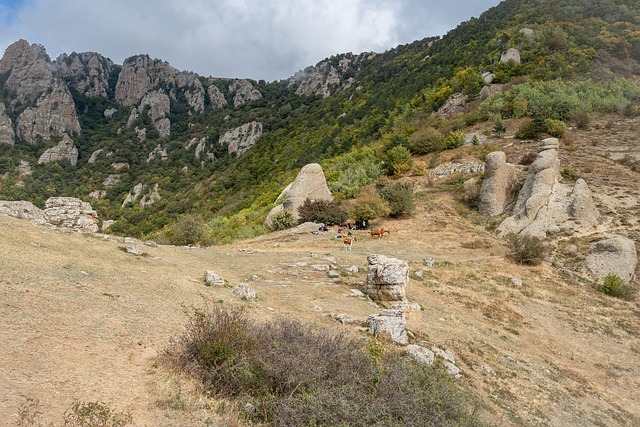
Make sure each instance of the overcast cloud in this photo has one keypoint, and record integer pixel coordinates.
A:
(259, 39)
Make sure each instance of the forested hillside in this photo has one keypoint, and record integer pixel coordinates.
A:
(575, 57)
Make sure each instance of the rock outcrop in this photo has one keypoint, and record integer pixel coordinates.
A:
(243, 92)
(65, 150)
(213, 278)
(23, 210)
(87, 72)
(28, 70)
(387, 280)
(546, 206)
(7, 134)
(389, 324)
(152, 195)
(500, 184)
(244, 291)
(616, 255)
(242, 138)
(216, 97)
(71, 213)
(456, 103)
(309, 184)
(159, 109)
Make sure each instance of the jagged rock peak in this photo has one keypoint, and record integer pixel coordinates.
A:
(87, 72)
(29, 71)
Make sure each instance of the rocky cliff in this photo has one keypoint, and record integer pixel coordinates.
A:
(87, 72)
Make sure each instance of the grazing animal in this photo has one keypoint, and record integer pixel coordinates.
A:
(347, 242)
(379, 232)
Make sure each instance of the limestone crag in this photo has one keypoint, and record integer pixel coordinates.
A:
(242, 138)
(87, 72)
(387, 280)
(53, 115)
(193, 90)
(216, 97)
(65, 150)
(309, 184)
(71, 213)
(152, 195)
(29, 72)
(7, 134)
(330, 76)
(545, 205)
(158, 153)
(389, 324)
(159, 109)
(244, 92)
(94, 156)
(500, 184)
(616, 255)
(467, 166)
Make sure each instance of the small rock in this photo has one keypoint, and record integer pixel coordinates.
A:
(430, 262)
(320, 267)
(255, 278)
(345, 319)
(489, 370)
(151, 243)
(419, 273)
(213, 278)
(420, 354)
(353, 269)
(444, 354)
(451, 368)
(516, 282)
(243, 290)
(249, 408)
(133, 249)
(333, 274)
(357, 293)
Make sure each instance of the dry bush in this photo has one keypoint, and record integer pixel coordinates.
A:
(299, 375)
(527, 250)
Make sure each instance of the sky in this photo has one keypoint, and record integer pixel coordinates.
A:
(257, 39)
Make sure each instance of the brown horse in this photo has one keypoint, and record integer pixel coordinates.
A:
(347, 242)
(379, 232)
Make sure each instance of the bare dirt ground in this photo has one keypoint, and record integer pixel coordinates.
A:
(82, 320)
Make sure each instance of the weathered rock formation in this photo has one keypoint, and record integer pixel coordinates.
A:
(244, 291)
(213, 278)
(71, 213)
(216, 97)
(152, 196)
(7, 134)
(94, 156)
(387, 280)
(29, 71)
(546, 206)
(455, 104)
(244, 92)
(65, 150)
(616, 255)
(500, 184)
(510, 55)
(242, 138)
(420, 354)
(23, 210)
(467, 166)
(159, 109)
(87, 72)
(158, 153)
(309, 184)
(389, 324)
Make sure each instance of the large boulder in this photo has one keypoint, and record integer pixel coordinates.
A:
(23, 210)
(511, 55)
(71, 213)
(65, 150)
(614, 255)
(499, 187)
(545, 205)
(389, 324)
(387, 280)
(309, 184)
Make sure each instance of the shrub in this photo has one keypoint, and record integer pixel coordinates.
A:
(614, 286)
(322, 211)
(532, 129)
(299, 375)
(426, 140)
(190, 229)
(397, 160)
(94, 414)
(454, 139)
(528, 159)
(527, 250)
(367, 206)
(555, 128)
(583, 120)
(283, 220)
(399, 196)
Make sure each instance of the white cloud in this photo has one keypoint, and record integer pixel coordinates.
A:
(226, 38)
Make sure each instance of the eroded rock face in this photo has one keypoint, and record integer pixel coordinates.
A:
(546, 206)
(139, 76)
(7, 134)
(309, 184)
(616, 255)
(159, 109)
(244, 92)
(65, 150)
(216, 97)
(242, 138)
(152, 195)
(29, 71)
(389, 324)
(499, 187)
(87, 72)
(387, 280)
(71, 213)
(455, 104)
(53, 115)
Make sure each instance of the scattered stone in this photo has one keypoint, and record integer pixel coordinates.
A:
(24, 168)
(255, 278)
(488, 77)
(345, 319)
(357, 293)
(353, 269)
(420, 354)
(516, 282)
(466, 167)
(444, 354)
(333, 274)
(387, 279)
(151, 243)
(455, 104)
(430, 262)
(488, 369)
(419, 274)
(212, 278)
(109, 112)
(616, 255)
(389, 324)
(452, 369)
(249, 408)
(244, 291)
(320, 267)
(133, 250)
(107, 223)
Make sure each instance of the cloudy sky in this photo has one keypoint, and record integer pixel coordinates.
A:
(259, 39)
